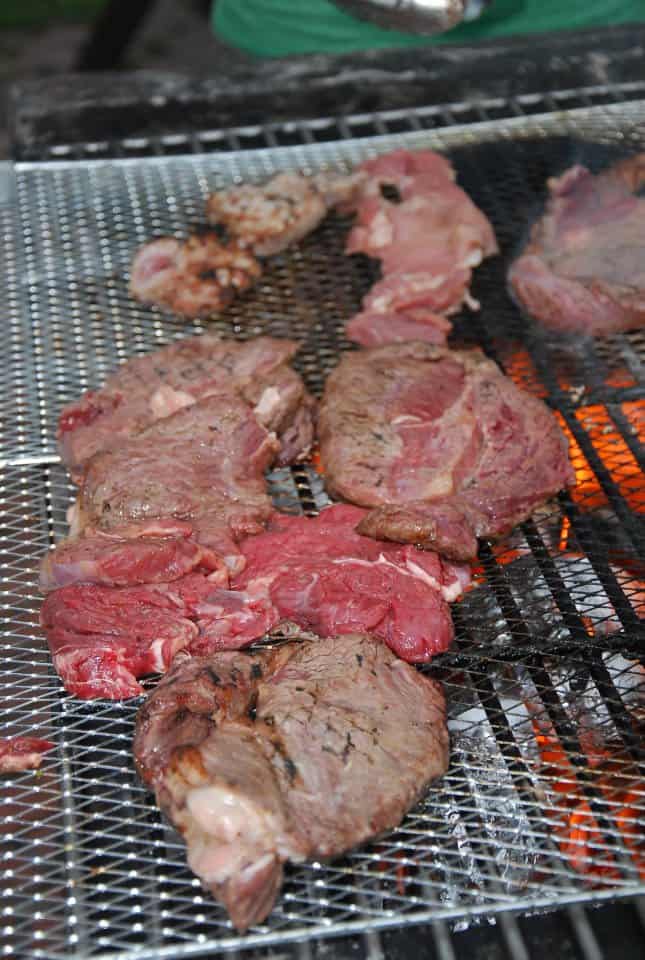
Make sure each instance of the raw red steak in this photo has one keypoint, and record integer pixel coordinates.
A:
(322, 575)
(584, 268)
(428, 237)
(103, 638)
(317, 573)
(152, 553)
(439, 444)
(296, 753)
(149, 388)
(22, 753)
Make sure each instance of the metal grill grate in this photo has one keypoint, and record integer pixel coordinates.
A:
(544, 802)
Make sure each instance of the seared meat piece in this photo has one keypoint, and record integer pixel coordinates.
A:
(22, 753)
(584, 269)
(440, 444)
(194, 278)
(428, 237)
(269, 217)
(145, 553)
(320, 574)
(295, 753)
(158, 384)
(204, 466)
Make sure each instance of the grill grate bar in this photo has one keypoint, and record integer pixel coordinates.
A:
(585, 936)
(442, 941)
(639, 906)
(565, 731)
(603, 570)
(627, 433)
(330, 128)
(513, 939)
(619, 715)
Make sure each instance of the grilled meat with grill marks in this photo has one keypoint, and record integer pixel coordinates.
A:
(149, 388)
(584, 267)
(295, 753)
(440, 444)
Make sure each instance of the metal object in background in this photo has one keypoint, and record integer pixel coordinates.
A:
(544, 802)
(425, 17)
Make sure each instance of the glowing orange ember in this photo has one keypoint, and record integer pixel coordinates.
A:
(316, 461)
(578, 833)
(614, 453)
(519, 367)
(565, 529)
(620, 378)
(587, 491)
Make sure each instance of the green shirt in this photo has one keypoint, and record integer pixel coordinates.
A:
(275, 28)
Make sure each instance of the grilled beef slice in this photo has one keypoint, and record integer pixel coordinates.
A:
(295, 753)
(154, 386)
(201, 468)
(440, 444)
(584, 268)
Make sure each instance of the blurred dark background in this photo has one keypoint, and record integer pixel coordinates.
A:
(41, 38)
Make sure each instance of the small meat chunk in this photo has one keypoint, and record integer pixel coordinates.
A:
(22, 753)
(271, 216)
(195, 277)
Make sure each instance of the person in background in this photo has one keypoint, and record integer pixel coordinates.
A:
(278, 28)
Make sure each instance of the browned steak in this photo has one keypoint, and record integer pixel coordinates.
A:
(148, 553)
(289, 754)
(204, 465)
(158, 384)
(439, 443)
(584, 267)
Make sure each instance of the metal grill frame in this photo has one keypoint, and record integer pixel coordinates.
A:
(54, 228)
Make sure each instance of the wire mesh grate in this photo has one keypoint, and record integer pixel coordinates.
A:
(544, 802)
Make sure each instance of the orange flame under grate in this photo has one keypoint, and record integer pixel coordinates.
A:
(578, 833)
